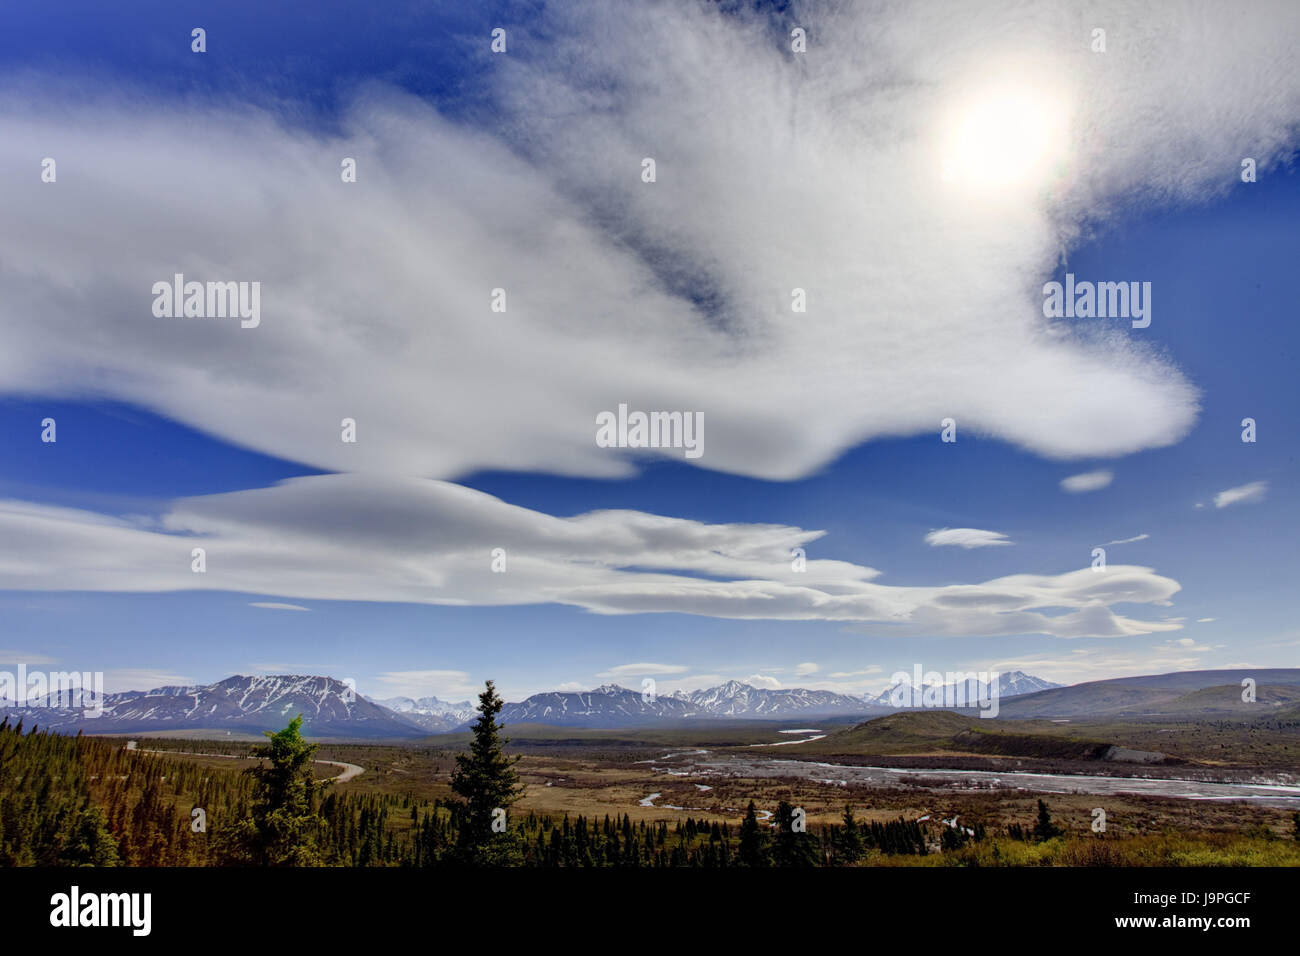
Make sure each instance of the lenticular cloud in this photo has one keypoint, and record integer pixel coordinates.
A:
(355, 537)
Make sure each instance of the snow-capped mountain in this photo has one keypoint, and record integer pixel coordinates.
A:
(1010, 684)
(329, 708)
(434, 715)
(607, 706)
(735, 699)
(1016, 683)
(613, 706)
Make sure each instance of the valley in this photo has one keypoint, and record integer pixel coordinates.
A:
(1177, 767)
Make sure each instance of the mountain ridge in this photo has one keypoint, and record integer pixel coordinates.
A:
(1014, 683)
(331, 708)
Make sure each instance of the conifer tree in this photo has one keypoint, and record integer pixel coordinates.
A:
(487, 781)
(850, 842)
(284, 829)
(753, 842)
(793, 848)
(1045, 829)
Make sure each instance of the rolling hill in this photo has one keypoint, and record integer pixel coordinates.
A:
(937, 732)
(1186, 694)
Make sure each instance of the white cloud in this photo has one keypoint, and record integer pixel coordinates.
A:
(966, 538)
(1139, 537)
(1088, 481)
(1104, 663)
(366, 538)
(762, 681)
(642, 670)
(865, 672)
(821, 172)
(1242, 494)
(450, 685)
(808, 667)
(692, 682)
(121, 679)
(277, 606)
(1205, 620)
(30, 658)
(1190, 644)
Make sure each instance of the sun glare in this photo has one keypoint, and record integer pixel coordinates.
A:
(1005, 138)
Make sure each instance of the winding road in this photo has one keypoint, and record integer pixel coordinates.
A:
(350, 770)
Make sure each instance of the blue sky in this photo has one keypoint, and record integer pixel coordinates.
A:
(830, 425)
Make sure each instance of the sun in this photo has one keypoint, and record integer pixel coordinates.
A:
(1005, 138)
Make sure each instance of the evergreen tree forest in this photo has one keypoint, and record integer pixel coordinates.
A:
(91, 801)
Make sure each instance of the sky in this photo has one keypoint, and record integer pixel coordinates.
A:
(919, 172)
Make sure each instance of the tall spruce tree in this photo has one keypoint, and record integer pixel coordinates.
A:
(486, 780)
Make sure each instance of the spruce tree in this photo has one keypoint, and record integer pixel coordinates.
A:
(1045, 829)
(487, 781)
(285, 828)
(753, 842)
(850, 848)
(793, 848)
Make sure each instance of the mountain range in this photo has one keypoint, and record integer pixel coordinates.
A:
(613, 706)
(330, 708)
(1010, 684)
(434, 715)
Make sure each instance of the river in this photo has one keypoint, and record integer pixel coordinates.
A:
(710, 764)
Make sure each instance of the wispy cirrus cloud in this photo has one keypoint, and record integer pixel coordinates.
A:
(1251, 493)
(865, 672)
(120, 679)
(30, 658)
(825, 175)
(445, 684)
(1137, 537)
(643, 669)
